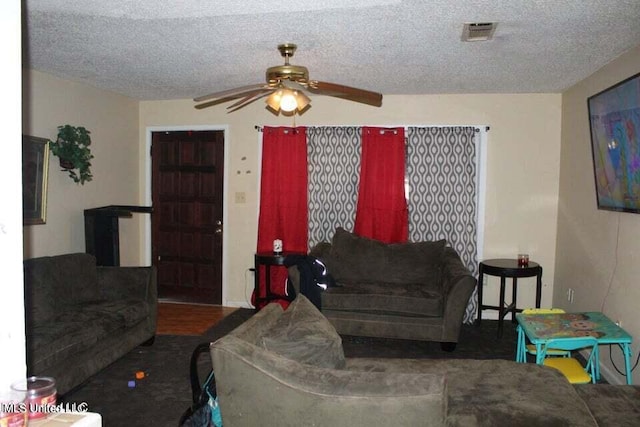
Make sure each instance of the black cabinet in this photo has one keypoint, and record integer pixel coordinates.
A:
(101, 234)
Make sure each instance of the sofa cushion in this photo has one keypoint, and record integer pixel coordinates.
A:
(504, 393)
(612, 405)
(404, 299)
(355, 258)
(129, 311)
(40, 296)
(76, 278)
(67, 335)
(419, 262)
(358, 259)
(66, 279)
(303, 334)
(57, 283)
(490, 393)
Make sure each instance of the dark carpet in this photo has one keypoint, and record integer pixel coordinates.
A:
(164, 394)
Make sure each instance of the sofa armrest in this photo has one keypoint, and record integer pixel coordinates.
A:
(457, 284)
(131, 283)
(259, 387)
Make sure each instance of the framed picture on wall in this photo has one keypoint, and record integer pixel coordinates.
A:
(35, 169)
(614, 118)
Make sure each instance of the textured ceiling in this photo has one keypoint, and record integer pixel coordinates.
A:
(160, 49)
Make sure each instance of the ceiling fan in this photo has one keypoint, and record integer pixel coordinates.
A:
(285, 89)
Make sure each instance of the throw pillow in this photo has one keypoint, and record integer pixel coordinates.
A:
(303, 334)
(76, 278)
(355, 258)
(39, 295)
(419, 262)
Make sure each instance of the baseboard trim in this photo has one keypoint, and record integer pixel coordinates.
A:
(607, 372)
(611, 376)
(491, 315)
(240, 304)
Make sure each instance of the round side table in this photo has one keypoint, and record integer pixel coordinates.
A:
(503, 268)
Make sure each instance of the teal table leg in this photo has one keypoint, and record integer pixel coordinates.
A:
(626, 350)
(539, 358)
(596, 360)
(520, 346)
(593, 366)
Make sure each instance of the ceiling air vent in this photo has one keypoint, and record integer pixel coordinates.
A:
(480, 31)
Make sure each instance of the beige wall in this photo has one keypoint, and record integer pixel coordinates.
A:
(522, 167)
(113, 122)
(598, 254)
(523, 153)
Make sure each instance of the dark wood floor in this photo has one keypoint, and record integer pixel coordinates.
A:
(189, 319)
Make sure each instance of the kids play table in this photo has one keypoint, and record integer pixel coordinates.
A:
(538, 328)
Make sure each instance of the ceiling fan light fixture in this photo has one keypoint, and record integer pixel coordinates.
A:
(287, 100)
(273, 100)
(302, 100)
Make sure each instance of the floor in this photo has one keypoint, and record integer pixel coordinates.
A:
(189, 319)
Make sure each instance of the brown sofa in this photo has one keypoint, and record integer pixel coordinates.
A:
(416, 291)
(287, 368)
(81, 317)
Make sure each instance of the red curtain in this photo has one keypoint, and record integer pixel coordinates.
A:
(283, 199)
(382, 207)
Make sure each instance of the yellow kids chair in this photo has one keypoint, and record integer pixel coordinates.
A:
(569, 366)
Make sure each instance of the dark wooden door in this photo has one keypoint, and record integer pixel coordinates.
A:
(187, 187)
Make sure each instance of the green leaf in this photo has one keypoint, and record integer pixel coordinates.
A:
(72, 145)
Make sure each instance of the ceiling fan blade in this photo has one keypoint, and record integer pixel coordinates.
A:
(228, 98)
(211, 103)
(228, 92)
(247, 100)
(346, 92)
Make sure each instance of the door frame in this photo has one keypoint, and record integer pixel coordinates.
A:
(147, 251)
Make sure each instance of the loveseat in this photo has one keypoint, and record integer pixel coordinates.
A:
(81, 317)
(416, 291)
(287, 368)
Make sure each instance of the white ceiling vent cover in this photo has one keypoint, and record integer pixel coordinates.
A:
(476, 32)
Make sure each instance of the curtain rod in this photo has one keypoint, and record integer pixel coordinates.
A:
(261, 128)
(477, 129)
(294, 129)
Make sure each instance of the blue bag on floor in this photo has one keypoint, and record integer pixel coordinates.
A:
(204, 412)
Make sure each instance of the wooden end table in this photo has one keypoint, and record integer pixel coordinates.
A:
(268, 259)
(503, 268)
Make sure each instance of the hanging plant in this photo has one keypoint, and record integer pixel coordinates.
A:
(72, 148)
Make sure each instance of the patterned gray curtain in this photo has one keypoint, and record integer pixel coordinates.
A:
(441, 173)
(333, 155)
